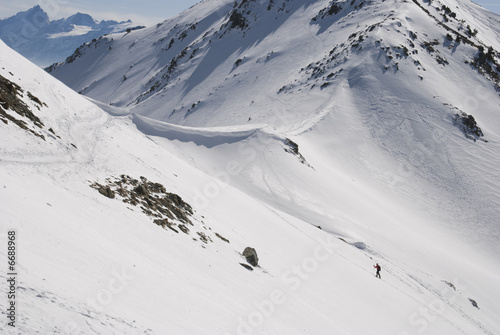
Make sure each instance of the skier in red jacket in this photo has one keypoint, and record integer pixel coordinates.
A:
(378, 270)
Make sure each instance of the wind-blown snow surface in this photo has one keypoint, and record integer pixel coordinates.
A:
(386, 183)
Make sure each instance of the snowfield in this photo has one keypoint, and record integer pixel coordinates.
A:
(324, 182)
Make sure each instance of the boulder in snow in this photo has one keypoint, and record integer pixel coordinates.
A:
(251, 256)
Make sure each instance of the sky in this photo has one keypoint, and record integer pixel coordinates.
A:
(492, 5)
(144, 12)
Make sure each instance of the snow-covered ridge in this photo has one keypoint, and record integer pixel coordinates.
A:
(207, 137)
(188, 64)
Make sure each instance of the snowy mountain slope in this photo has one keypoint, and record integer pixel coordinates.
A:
(90, 264)
(187, 65)
(402, 75)
(45, 42)
(370, 159)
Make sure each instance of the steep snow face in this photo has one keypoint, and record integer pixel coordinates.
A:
(45, 42)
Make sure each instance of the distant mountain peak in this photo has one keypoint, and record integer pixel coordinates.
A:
(81, 19)
(35, 16)
(34, 9)
(44, 42)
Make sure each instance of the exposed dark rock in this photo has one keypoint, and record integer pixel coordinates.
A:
(36, 100)
(468, 125)
(152, 198)
(251, 256)
(10, 100)
(165, 223)
(203, 237)
(107, 192)
(333, 9)
(486, 64)
(141, 190)
(184, 229)
(293, 148)
(450, 285)
(474, 303)
(237, 20)
(167, 210)
(157, 188)
(222, 237)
